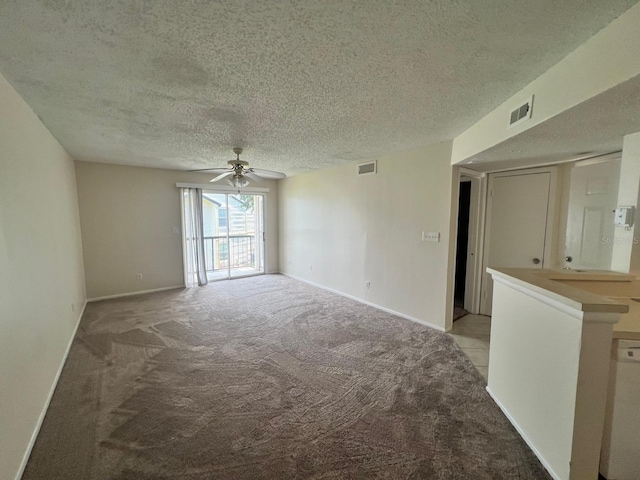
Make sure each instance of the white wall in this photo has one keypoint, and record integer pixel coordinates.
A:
(559, 225)
(626, 247)
(41, 275)
(128, 215)
(338, 230)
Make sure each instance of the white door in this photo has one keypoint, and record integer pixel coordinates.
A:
(518, 226)
(592, 198)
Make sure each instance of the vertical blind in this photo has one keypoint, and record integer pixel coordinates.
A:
(195, 271)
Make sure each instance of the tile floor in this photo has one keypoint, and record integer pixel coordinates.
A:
(471, 333)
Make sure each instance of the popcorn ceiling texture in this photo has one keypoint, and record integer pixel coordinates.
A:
(300, 85)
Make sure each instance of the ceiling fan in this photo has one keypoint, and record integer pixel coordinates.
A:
(239, 173)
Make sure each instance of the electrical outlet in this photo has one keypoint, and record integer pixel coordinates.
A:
(138, 276)
(176, 230)
(310, 267)
(367, 284)
(73, 307)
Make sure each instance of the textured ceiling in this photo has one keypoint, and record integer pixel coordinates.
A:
(595, 126)
(300, 84)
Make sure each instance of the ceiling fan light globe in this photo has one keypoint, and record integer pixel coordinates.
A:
(238, 182)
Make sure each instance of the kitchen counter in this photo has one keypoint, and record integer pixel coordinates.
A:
(591, 291)
(623, 290)
(628, 328)
(551, 339)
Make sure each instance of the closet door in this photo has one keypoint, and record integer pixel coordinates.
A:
(518, 224)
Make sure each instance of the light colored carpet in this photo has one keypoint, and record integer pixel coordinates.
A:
(269, 378)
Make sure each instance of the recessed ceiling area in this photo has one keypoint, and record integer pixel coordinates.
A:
(300, 85)
(593, 127)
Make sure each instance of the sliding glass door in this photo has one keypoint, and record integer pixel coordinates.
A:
(233, 234)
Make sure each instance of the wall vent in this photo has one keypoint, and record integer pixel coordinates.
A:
(521, 113)
(368, 168)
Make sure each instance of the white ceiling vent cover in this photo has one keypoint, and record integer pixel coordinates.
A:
(521, 113)
(368, 168)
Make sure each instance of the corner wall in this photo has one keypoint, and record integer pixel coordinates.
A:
(41, 274)
(626, 247)
(128, 215)
(338, 230)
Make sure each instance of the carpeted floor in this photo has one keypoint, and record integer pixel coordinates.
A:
(458, 312)
(269, 378)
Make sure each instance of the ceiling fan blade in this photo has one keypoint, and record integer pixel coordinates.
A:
(222, 175)
(268, 174)
(211, 170)
(252, 176)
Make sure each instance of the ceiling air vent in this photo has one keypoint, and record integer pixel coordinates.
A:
(520, 114)
(368, 168)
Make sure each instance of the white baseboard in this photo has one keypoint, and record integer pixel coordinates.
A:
(379, 307)
(36, 431)
(131, 294)
(524, 436)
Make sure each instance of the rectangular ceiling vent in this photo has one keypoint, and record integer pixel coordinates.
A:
(520, 114)
(368, 168)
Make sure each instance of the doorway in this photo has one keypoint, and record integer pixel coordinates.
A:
(233, 226)
(462, 248)
(469, 242)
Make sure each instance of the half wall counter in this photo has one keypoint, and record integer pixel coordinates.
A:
(549, 362)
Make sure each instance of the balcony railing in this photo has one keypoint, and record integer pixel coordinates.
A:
(237, 252)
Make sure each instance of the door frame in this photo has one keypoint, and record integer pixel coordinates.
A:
(250, 190)
(477, 213)
(549, 226)
(563, 232)
(262, 236)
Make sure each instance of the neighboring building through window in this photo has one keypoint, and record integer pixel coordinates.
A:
(222, 218)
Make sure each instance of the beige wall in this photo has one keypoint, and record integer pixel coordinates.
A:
(339, 230)
(41, 276)
(128, 215)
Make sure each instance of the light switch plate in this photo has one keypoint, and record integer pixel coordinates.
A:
(430, 236)
(624, 216)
